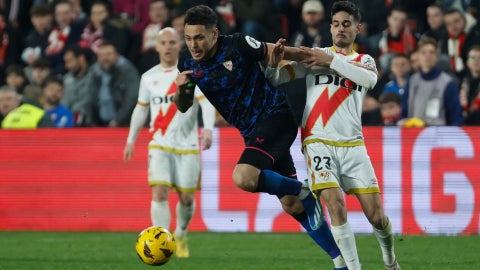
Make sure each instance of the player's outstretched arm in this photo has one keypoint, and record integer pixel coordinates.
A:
(208, 117)
(287, 53)
(185, 91)
(139, 117)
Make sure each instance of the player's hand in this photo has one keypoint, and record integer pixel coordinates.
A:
(206, 139)
(128, 151)
(278, 53)
(315, 57)
(182, 80)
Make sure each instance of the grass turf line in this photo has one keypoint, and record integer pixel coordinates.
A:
(227, 251)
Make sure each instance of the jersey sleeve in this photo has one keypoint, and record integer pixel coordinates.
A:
(208, 111)
(250, 48)
(286, 73)
(143, 93)
(361, 71)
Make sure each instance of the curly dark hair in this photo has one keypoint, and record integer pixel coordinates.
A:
(201, 15)
(348, 7)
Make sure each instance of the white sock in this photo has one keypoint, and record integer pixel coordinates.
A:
(184, 215)
(160, 214)
(345, 239)
(385, 239)
(339, 262)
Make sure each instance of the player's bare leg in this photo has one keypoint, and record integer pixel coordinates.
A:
(341, 230)
(382, 227)
(184, 210)
(159, 209)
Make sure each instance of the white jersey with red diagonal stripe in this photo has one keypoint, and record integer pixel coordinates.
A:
(169, 127)
(333, 106)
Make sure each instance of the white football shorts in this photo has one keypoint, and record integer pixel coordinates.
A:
(178, 171)
(349, 168)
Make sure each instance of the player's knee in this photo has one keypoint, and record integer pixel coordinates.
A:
(187, 199)
(244, 182)
(160, 193)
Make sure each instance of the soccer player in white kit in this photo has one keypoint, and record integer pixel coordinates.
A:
(337, 79)
(174, 160)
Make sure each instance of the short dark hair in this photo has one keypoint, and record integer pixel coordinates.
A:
(15, 69)
(450, 11)
(348, 7)
(387, 97)
(53, 79)
(42, 63)
(201, 15)
(40, 10)
(78, 51)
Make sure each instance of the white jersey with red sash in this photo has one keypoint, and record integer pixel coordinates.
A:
(172, 130)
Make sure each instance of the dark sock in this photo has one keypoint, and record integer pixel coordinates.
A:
(321, 236)
(277, 184)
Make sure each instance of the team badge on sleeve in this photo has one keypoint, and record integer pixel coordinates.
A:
(252, 42)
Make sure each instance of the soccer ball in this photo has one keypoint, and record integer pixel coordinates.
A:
(155, 245)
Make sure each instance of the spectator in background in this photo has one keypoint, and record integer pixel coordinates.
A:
(159, 19)
(470, 89)
(431, 94)
(178, 21)
(16, 114)
(16, 78)
(115, 84)
(314, 31)
(78, 84)
(66, 32)
(102, 27)
(257, 19)
(18, 15)
(37, 40)
(60, 115)
(133, 12)
(436, 22)
(390, 108)
(78, 11)
(37, 73)
(10, 46)
(397, 38)
(374, 13)
(459, 40)
(414, 62)
(400, 70)
(387, 113)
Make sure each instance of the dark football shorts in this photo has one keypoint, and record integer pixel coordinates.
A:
(269, 145)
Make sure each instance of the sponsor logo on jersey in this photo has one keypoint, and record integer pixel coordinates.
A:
(228, 65)
(162, 99)
(253, 42)
(328, 79)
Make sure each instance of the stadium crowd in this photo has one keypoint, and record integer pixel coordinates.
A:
(66, 63)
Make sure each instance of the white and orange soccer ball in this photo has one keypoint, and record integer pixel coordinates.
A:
(155, 245)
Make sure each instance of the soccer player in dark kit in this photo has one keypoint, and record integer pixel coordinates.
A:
(227, 70)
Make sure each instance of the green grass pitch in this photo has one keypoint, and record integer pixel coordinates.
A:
(225, 251)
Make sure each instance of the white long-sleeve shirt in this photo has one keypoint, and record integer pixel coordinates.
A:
(171, 130)
(335, 96)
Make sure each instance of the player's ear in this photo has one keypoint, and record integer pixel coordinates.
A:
(215, 33)
(359, 28)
